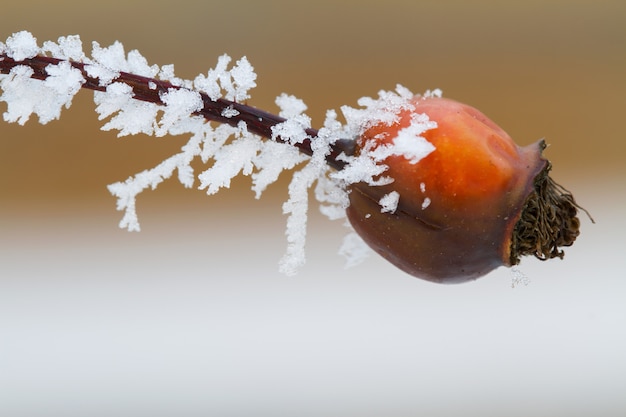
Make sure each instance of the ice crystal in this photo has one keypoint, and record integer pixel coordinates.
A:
(21, 45)
(129, 116)
(45, 98)
(389, 202)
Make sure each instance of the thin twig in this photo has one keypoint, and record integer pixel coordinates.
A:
(258, 121)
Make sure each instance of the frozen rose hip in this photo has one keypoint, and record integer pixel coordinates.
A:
(478, 201)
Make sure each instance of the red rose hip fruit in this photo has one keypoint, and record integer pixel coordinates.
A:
(478, 201)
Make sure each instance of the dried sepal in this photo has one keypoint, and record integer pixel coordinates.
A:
(548, 221)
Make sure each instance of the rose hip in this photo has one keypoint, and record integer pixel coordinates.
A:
(478, 201)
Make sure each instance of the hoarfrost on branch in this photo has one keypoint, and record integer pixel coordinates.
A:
(233, 150)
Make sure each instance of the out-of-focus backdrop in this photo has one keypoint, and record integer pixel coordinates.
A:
(190, 316)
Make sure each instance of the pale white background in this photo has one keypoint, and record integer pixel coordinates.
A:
(190, 317)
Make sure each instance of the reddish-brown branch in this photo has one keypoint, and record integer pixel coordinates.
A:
(258, 121)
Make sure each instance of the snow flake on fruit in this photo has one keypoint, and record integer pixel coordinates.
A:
(426, 201)
(410, 143)
(389, 202)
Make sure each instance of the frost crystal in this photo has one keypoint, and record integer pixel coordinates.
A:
(292, 130)
(426, 201)
(409, 141)
(25, 96)
(179, 105)
(354, 249)
(228, 150)
(389, 202)
(21, 45)
(243, 80)
(518, 277)
(130, 116)
(368, 166)
(236, 83)
(67, 47)
(272, 159)
(230, 160)
(297, 205)
(230, 112)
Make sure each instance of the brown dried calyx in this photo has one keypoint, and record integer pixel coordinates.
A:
(548, 221)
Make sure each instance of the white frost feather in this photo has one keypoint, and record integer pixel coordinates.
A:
(354, 249)
(26, 96)
(296, 207)
(21, 45)
(179, 105)
(131, 116)
(230, 160)
(67, 47)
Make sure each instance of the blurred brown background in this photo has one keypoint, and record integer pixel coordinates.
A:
(552, 69)
(188, 314)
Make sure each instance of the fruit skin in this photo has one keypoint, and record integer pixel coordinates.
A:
(477, 180)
